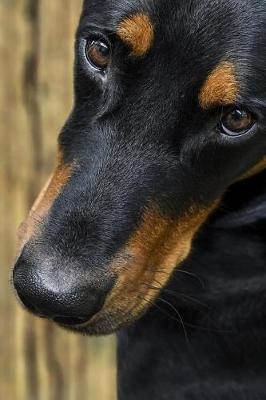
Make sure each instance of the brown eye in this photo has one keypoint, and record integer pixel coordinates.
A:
(98, 53)
(237, 121)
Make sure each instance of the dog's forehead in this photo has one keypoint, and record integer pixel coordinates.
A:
(180, 11)
(223, 24)
(193, 35)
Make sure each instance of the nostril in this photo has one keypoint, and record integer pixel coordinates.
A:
(70, 321)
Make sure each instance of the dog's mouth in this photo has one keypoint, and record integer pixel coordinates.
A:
(143, 268)
(107, 321)
(123, 306)
(130, 284)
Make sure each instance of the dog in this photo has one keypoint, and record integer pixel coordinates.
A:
(153, 222)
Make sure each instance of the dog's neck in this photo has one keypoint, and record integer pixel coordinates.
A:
(205, 338)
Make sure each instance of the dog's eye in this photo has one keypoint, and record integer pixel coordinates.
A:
(98, 53)
(236, 121)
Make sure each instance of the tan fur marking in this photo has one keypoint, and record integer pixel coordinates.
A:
(148, 260)
(137, 32)
(256, 169)
(44, 202)
(221, 87)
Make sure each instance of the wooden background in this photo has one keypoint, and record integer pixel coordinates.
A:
(38, 361)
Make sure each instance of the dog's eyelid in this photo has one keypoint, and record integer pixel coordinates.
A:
(94, 30)
(258, 110)
(241, 104)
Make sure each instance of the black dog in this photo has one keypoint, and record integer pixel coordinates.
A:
(166, 140)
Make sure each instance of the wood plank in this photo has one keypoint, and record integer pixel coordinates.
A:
(38, 360)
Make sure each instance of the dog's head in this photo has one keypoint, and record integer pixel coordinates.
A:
(169, 111)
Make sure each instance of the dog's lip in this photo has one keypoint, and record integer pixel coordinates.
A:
(115, 319)
(72, 321)
(108, 313)
(80, 323)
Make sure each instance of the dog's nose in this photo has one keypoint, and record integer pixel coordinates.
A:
(51, 295)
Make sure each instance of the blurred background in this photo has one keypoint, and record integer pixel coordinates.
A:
(38, 361)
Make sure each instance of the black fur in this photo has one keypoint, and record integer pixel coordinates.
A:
(138, 135)
(212, 346)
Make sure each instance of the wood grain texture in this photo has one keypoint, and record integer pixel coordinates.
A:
(38, 360)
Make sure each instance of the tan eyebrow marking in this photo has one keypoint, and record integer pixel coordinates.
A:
(221, 87)
(137, 31)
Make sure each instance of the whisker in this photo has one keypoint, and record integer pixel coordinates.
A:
(198, 278)
(179, 316)
(179, 319)
(177, 294)
(170, 291)
(182, 271)
(163, 271)
(187, 324)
